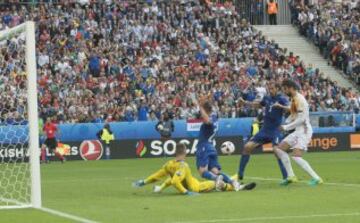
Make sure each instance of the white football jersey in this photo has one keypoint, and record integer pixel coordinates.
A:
(300, 115)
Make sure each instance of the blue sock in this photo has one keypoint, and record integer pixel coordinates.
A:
(227, 179)
(282, 169)
(243, 162)
(208, 175)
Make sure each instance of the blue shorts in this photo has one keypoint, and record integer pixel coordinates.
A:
(206, 155)
(263, 137)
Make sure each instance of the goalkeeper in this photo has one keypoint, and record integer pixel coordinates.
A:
(181, 178)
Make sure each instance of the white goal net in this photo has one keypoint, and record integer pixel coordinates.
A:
(19, 159)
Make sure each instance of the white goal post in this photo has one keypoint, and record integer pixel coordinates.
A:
(27, 169)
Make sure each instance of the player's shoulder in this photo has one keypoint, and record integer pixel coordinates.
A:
(300, 98)
(183, 164)
(170, 163)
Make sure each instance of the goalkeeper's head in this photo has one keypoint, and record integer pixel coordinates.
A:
(180, 151)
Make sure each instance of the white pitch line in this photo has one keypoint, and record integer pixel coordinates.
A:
(65, 215)
(303, 181)
(272, 218)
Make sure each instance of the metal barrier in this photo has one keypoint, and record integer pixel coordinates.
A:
(333, 119)
(255, 11)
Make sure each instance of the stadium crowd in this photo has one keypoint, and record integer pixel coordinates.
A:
(334, 27)
(133, 60)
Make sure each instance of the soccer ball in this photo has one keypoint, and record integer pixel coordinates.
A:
(227, 148)
(160, 127)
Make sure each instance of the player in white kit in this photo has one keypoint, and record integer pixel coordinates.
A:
(297, 141)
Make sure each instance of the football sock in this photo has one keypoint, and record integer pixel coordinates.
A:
(286, 161)
(227, 179)
(209, 175)
(243, 162)
(306, 166)
(282, 169)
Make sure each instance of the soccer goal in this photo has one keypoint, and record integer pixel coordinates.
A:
(19, 132)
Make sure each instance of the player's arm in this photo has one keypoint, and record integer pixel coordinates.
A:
(286, 108)
(255, 104)
(302, 113)
(300, 119)
(204, 115)
(177, 179)
(158, 175)
(163, 186)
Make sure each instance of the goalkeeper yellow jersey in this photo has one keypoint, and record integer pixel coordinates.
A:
(181, 177)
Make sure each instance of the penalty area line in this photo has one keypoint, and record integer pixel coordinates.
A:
(273, 218)
(66, 215)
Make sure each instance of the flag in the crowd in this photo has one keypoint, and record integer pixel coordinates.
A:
(193, 125)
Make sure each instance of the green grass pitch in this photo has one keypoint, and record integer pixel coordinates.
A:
(101, 191)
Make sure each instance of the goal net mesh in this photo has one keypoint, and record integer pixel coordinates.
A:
(15, 181)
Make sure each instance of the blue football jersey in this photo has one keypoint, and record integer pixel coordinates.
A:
(273, 116)
(208, 131)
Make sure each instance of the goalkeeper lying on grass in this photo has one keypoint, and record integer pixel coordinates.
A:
(179, 176)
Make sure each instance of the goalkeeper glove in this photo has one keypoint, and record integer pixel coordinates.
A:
(138, 183)
(157, 189)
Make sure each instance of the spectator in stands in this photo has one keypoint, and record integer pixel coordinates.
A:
(272, 10)
(128, 61)
(334, 28)
(165, 127)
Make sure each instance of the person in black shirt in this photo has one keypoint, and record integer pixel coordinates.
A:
(165, 127)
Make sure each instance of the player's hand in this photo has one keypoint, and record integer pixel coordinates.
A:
(190, 193)
(277, 105)
(282, 128)
(138, 183)
(157, 189)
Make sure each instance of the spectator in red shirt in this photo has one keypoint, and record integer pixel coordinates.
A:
(50, 129)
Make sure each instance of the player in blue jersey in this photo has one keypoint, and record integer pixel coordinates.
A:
(206, 154)
(270, 131)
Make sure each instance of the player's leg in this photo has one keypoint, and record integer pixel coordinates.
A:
(275, 141)
(245, 156)
(280, 152)
(297, 157)
(202, 162)
(163, 186)
(158, 175)
(200, 187)
(215, 168)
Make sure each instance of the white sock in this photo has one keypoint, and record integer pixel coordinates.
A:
(306, 166)
(286, 161)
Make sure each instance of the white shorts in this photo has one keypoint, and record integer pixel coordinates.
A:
(298, 140)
